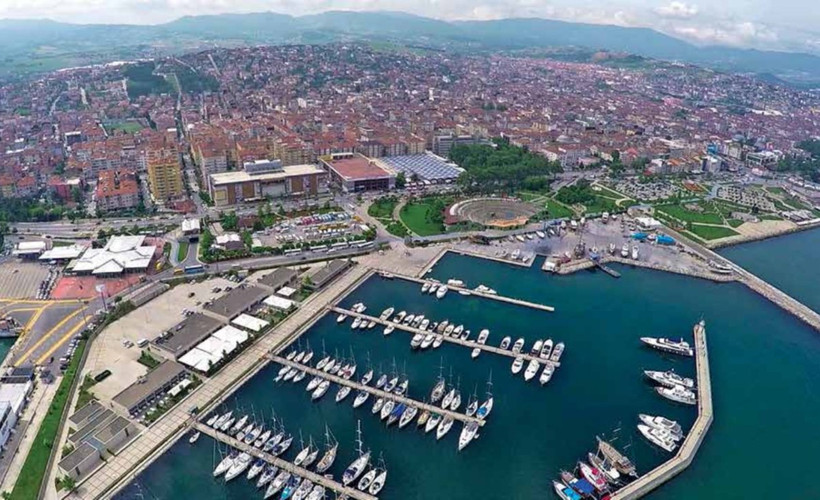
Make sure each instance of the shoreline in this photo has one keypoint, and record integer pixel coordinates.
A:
(743, 239)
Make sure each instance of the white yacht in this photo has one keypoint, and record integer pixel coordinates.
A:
(322, 362)
(239, 466)
(378, 482)
(417, 340)
(546, 375)
(444, 427)
(385, 315)
(342, 393)
(657, 437)
(341, 318)
(669, 379)
(468, 433)
(519, 344)
(535, 350)
(505, 342)
(320, 390)
(225, 464)
(517, 365)
(546, 349)
(356, 322)
(277, 484)
(532, 370)
(448, 398)
(432, 422)
(441, 292)
(662, 423)
(482, 336)
(455, 282)
(387, 409)
(355, 469)
(389, 329)
(367, 480)
(399, 317)
(557, 352)
(433, 288)
(675, 347)
(428, 340)
(408, 416)
(678, 394)
(425, 287)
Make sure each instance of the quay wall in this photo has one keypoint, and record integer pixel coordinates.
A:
(686, 453)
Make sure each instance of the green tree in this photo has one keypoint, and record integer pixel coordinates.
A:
(401, 180)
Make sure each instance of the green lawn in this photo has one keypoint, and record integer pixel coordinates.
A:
(558, 210)
(601, 204)
(127, 127)
(415, 216)
(182, 251)
(382, 208)
(396, 228)
(682, 213)
(712, 232)
(735, 222)
(34, 468)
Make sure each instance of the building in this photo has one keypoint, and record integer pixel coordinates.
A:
(264, 179)
(13, 398)
(283, 276)
(150, 387)
(442, 144)
(31, 249)
(190, 229)
(165, 174)
(327, 273)
(353, 173)
(121, 254)
(424, 167)
(239, 300)
(185, 335)
(763, 159)
(213, 350)
(116, 190)
(63, 254)
(96, 434)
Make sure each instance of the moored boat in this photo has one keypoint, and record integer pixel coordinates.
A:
(532, 370)
(680, 346)
(517, 365)
(669, 378)
(678, 394)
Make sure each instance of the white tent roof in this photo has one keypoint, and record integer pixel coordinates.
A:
(119, 254)
(230, 333)
(60, 253)
(278, 302)
(250, 322)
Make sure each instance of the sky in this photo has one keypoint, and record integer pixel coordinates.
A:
(765, 24)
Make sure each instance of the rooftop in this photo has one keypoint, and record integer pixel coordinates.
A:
(187, 333)
(243, 176)
(426, 166)
(149, 384)
(121, 253)
(237, 301)
(357, 168)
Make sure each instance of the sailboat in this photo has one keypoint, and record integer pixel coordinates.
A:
(355, 469)
(329, 456)
(438, 389)
(472, 405)
(367, 480)
(487, 406)
(277, 484)
(381, 476)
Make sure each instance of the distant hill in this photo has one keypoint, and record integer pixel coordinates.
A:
(32, 45)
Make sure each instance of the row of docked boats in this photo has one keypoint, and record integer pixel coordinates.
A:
(440, 290)
(435, 288)
(673, 386)
(660, 431)
(603, 470)
(541, 351)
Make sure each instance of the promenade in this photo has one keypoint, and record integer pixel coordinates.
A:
(117, 471)
(686, 453)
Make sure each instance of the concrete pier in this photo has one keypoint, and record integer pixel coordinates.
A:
(686, 453)
(284, 464)
(466, 343)
(377, 392)
(500, 298)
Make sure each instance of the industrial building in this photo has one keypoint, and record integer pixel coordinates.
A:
(263, 179)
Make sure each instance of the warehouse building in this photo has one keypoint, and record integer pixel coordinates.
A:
(182, 337)
(149, 388)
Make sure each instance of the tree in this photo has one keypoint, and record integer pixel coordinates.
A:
(68, 483)
(401, 180)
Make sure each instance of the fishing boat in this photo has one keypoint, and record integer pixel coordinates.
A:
(625, 250)
(593, 475)
(224, 464)
(408, 416)
(519, 344)
(378, 482)
(669, 379)
(546, 375)
(342, 393)
(557, 352)
(540, 234)
(389, 329)
(565, 492)
(320, 390)
(532, 370)
(659, 438)
(610, 473)
(256, 469)
(239, 466)
(355, 469)
(444, 427)
(377, 406)
(441, 292)
(678, 394)
(546, 349)
(432, 422)
(662, 423)
(634, 252)
(385, 315)
(194, 437)
(680, 346)
(267, 475)
(341, 318)
(468, 433)
(505, 342)
(517, 365)
(277, 484)
(616, 458)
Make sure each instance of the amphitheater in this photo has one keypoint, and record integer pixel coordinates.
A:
(493, 212)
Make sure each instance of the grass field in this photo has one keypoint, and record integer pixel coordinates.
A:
(415, 216)
(182, 251)
(34, 468)
(127, 127)
(382, 208)
(712, 232)
(601, 204)
(686, 215)
(558, 210)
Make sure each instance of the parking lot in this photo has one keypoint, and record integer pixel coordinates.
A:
(23, 280)
(116, 347)
(335, 225)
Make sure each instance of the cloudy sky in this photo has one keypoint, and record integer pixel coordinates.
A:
(774, 24)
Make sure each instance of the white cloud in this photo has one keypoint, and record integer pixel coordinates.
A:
(677, 10)
(738, 34)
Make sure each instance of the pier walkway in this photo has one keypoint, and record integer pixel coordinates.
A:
(483, 295)
(694, 438)
(466, 343)
(377, 392)
(283, 464)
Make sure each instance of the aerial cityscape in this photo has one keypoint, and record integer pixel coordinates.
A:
(514, 252)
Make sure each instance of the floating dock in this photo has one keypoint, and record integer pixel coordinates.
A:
(377, 392)
(694, 439)
(603, 267)
(284, 464)
(466, 343)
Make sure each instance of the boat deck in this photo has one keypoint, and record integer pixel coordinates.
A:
(466, 343)
(378, 392)
(284, 464)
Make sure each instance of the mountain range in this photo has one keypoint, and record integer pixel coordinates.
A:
(42, 45)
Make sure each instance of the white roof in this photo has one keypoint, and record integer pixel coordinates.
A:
(215, 346)
(190, 225)
(286, 291)
(250, 322)
(60, 253)
(119, 254)
(31, 245)
(226, 238)
(278, 302)
(232, 334)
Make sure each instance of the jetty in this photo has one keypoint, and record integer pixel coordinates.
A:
(453, 340)
(686, 453)
(284, 464)
(476, 293)
(377, 392)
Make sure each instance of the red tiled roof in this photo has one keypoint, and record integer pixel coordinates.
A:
(357, 168)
